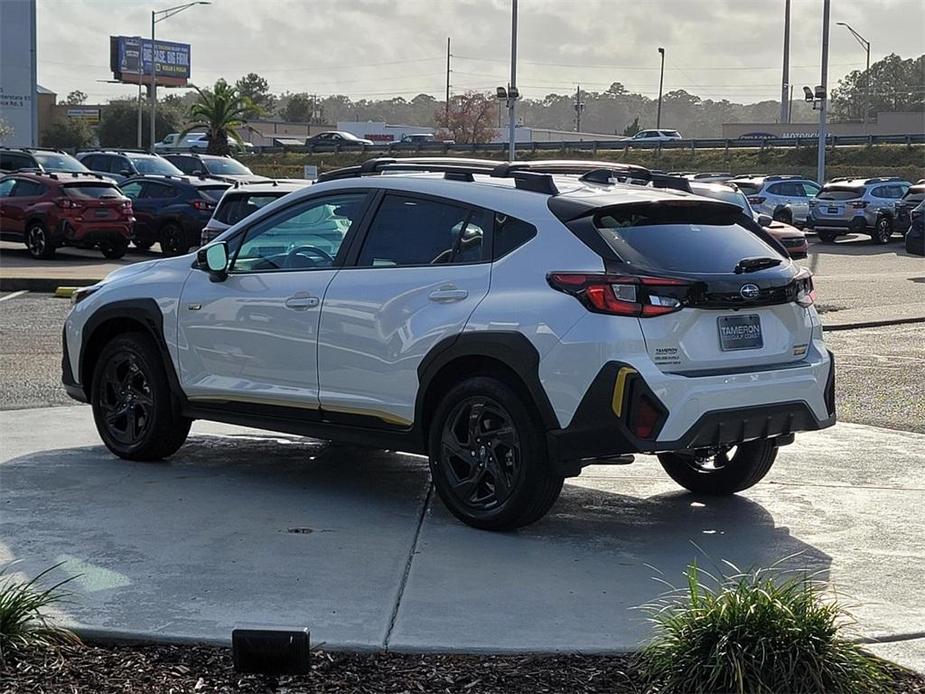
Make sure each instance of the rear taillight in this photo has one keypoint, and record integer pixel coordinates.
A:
(203, 205)
(806, 292)
(623, 295)
(859, 204)
(69, 204)
(756, 199)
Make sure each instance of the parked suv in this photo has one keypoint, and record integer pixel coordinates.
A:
(47, 211)
(513, 321)
(172, 210)
(45, 160)
(214, 166)
(656, 136)
(241, 201)
(859, 206)
(783, 198)
(915, 235)
(902, 217)
(121, 164)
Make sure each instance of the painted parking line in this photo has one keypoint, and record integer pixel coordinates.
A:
(14, 294)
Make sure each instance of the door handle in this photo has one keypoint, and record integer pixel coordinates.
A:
(301, 302)
(448, 294)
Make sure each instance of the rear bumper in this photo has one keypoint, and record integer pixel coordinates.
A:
(695, 412)
(854, 225)
(94, 232)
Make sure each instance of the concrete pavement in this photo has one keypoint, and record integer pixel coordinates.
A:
(243, 526)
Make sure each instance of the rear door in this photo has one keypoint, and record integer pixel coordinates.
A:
(6, 202)
(144, 209)
(731, 320)
(418, 274)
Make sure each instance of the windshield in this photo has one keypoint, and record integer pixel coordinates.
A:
(748, 188)
(155, 165)
(234, 208)
(59, 162)
(226, 166)
(840, 193)
(91, 191)
(696, 238)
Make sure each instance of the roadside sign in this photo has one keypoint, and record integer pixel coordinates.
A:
(310, 172)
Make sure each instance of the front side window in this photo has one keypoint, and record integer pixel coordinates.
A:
(881, 192)
(304, 237)
(132, 190)
(413, 231)
(6, 186)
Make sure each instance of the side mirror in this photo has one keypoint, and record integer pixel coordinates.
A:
(764, 220)
(214, 260)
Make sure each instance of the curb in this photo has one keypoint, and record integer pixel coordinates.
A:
(871, 324)
(44, 285)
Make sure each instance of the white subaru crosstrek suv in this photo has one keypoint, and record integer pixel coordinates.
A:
(514, 322)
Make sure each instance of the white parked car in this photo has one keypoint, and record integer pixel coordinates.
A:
(656, 135)
(194, 142)
(514, 322)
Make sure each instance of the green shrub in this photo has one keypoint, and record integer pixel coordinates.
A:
(757, 631)
(22, 622)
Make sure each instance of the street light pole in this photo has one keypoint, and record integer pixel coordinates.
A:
(141, 72)
(824, 94)
(512, 87)
(160, 16)
(661, 81)
(865, 44)
(785, 82)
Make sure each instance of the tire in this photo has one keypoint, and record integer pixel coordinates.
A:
(826, 236)
(883, 230)
(172, 243)
(39, 243)
(483, 433)
(142, 245)
(131, 399)
(721, 475)
(113, 249)
(783, 215)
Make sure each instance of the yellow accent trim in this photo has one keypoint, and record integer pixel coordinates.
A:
(65, 292)
(378, 414)
(618, 388)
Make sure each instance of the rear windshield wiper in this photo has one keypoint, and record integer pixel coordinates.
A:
(753, 264)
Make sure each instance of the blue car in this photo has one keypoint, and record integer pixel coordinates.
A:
(172, 210)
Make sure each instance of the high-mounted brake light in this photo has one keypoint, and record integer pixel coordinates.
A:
(203, 205)
(623, 295)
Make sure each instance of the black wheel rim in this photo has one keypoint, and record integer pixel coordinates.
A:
(480, 456)
(172, 240)
(708, 462)
(883, 231)
(36, 241)
(125, 399)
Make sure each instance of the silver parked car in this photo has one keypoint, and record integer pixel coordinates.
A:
(783, 198)
(859, 206)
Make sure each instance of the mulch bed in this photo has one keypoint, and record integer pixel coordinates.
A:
(205, 670)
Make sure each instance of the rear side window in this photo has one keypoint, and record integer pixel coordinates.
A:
(510, 233)
(91, 191)
(695, 239)
(234, 208)
(840, 193)
(28, 189)
(414, 231)
(158, 191)
(882, 192)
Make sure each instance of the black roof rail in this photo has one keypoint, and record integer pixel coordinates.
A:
(883, 179)
(113, 150)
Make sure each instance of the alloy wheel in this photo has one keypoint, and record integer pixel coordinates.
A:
(480, 454)
(884, 230)
(36, 241)
(125, 399)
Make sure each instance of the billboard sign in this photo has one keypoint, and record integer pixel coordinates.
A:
(129, 53)
(18, 104)
(84, 113)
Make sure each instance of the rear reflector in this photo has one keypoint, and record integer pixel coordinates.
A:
(859, 204)
(623, 295)
(756, 199)
(644, 417)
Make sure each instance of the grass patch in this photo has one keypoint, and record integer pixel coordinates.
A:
(758, 631)
(22, 622)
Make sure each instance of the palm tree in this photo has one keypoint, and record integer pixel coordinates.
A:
(221, 110)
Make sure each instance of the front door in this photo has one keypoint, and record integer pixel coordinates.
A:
(252, 338)
(422, 269)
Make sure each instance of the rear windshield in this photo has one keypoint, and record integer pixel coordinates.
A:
(59, 162)
(226, 166)
(155, 165)
(748, 188)
(234, 208)
(213, 193)
(682, 238)
(840, 193)
(736, 197)
(915, 194)
(91, 191)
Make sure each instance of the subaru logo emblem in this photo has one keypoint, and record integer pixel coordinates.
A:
(749, 291)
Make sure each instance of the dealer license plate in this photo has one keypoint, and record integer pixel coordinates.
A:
(740, 332)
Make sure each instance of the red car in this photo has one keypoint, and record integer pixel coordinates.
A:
(49, 210)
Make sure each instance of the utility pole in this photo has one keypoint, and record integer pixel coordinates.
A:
(785, 79)
(865, 44)
(824, 85)
(661, 82)
(141, 72)
(153, 79)
(448, 55)
(512, 87)
(579, 107)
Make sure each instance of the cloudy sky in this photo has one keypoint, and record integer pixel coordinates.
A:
(380, 48)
